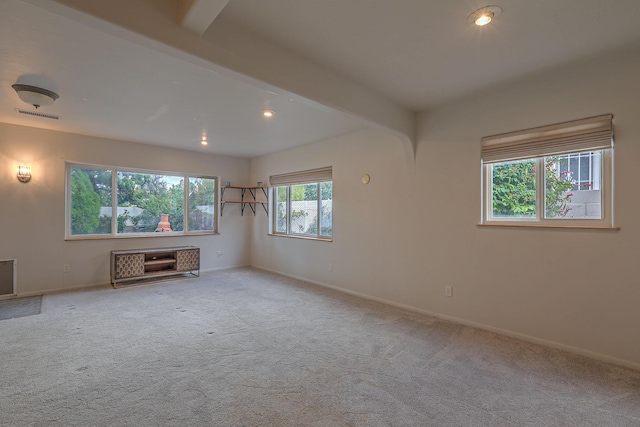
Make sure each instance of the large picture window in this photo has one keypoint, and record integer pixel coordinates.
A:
(303, 204)
(559, 175)
(113, 202)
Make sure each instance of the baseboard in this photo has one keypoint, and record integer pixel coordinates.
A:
(97, 285)
(505, 332)
(65, 289)
(205, 270)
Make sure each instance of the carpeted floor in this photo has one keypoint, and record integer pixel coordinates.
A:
(243, 347)
(20, 307)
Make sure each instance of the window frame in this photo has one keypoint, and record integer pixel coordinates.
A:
(288, 232)
(593, 134)
(539, 220)
(114, 203)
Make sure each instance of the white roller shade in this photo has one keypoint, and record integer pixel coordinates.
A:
(595, 133)
(302, 177)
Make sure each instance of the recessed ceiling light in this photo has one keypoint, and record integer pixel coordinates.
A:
(484, 15)
(484, 19)
(268, 113)
(204, 142)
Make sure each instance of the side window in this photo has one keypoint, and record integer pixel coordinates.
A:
(559, 175)
(302, 208)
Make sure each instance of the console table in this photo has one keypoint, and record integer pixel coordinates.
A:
(143, 263)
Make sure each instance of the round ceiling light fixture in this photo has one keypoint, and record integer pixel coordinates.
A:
(268, 113)
(34, 95)
(484, 15)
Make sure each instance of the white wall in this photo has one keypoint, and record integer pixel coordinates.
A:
(32, 214)
(413, 229)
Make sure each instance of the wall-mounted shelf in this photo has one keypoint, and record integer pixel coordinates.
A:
(251, 199)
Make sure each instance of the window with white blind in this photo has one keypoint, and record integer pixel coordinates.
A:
(557, 175)
(303, 204)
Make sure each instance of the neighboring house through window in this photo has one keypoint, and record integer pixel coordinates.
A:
(584, 169)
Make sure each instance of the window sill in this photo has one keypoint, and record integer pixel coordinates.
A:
(293, 236)
(561, 227)
(136, 236)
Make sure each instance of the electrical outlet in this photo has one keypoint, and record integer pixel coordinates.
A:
(219, 254)
(330, 267)
(448, 291)
(67, 268)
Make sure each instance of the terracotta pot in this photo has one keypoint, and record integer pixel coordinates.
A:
(164, 225)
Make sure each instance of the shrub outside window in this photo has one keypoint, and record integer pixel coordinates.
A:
(514, 190)
(112, 202)
(202, 204)
(558, 175)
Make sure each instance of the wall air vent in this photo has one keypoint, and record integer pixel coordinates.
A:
(37, 114)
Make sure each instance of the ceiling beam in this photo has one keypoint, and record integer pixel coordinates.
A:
(198, 15)
(152, 23)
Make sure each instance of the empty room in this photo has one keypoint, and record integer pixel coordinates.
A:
(319, 213)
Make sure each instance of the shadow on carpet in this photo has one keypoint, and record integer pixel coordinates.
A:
(20, 307)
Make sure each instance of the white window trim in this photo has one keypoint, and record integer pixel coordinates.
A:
(606, 222)
(590, 134)
(114, 204)
(288, 233)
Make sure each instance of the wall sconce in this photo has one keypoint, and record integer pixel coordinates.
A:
(24, 173)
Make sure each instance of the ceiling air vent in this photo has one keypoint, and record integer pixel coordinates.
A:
(37, 114)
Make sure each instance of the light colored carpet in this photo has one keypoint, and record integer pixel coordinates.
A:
(20, 307)
(243, 347)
